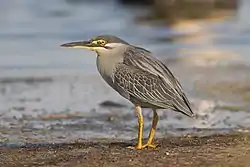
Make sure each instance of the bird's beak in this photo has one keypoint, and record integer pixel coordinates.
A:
(81, 45)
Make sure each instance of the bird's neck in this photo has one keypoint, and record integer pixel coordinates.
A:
(106, 65)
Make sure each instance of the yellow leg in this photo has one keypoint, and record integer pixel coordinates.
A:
(150, 142)
(140, 130)
(138, 111)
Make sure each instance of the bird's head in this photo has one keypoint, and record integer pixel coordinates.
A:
(100, 44)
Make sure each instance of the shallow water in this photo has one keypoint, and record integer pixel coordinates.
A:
(52, 94)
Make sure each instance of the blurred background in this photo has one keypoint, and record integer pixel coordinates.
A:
(52, 94)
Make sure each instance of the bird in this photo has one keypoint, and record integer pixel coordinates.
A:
(138, 76)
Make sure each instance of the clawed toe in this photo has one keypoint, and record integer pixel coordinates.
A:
(152, 146)
(132, 147)
(149, 146)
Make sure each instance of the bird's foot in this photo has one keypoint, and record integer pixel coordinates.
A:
(149, 145)
(140, 147)
(137, 147)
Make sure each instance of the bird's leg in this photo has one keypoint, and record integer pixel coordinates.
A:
(140, 129)
(138, 111)
(150, 142)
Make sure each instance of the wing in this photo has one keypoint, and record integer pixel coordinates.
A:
(142, 87)
(157, 83)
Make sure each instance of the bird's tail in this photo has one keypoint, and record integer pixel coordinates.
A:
(183, 105)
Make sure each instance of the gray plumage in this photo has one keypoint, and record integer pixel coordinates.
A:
(141, 78)
(148, 82)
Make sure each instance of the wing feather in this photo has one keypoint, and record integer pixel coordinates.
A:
(149, 80)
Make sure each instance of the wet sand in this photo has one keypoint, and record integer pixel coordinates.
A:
(217, 150)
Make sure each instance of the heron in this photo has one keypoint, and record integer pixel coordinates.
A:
(138, 76)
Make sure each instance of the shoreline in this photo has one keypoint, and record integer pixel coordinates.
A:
(221, 150)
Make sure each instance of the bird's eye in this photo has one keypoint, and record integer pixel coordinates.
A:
(101, 42)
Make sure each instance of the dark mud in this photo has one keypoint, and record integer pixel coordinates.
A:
(217, 150)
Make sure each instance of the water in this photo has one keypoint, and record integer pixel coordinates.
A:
(51, 94)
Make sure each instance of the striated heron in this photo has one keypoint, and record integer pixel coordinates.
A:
(137, 76)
